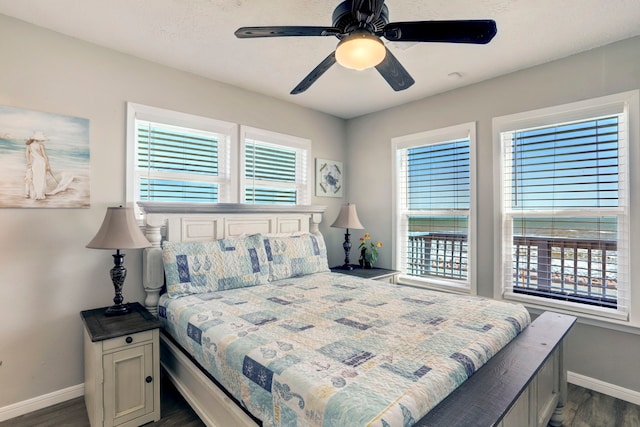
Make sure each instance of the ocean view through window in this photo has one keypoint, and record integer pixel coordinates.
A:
(434, 207)
(565, 208)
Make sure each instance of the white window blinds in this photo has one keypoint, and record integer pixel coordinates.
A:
(434, 207)
(178, 164)
(178, 157)
(565, 212)
(275, 168)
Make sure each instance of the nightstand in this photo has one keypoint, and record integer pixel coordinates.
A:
(121, 367)
(375, 273)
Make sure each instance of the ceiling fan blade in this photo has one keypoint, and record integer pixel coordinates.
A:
(479, 31)
(315, 74)
(253, 32)
(394, 73)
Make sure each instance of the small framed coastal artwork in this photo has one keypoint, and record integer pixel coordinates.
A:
(44, 160)
(329, 175)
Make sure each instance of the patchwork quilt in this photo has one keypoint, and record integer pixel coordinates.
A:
(328, 349)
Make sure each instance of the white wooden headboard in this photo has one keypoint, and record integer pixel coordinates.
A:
(186, 222)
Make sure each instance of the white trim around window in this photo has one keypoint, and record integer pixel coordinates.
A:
(184, 143)
(301, 183)
(403, 211)
(226, 134)
(625, 211)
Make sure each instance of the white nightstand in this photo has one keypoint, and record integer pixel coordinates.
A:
(121, 367)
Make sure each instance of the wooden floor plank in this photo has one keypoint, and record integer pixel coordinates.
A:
(174, 412)
(588, 408)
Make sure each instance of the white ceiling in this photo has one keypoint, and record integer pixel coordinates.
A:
(197, 36)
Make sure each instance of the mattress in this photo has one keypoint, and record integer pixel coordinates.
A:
(329, 349)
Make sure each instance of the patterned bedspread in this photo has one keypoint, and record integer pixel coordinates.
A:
(333, 350)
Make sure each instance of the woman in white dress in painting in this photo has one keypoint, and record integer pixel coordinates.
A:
(37, 167)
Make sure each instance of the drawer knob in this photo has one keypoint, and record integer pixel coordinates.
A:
(129, 340)
(148, 379)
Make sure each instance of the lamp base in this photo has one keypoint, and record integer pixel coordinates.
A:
(346, 245)
(117, 310)
(118, 274)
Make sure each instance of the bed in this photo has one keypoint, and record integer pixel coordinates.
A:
(277, 339)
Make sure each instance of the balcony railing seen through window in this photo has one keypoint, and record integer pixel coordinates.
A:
(438, 254)
(577, 270)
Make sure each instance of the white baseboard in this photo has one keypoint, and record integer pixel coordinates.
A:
(41, 402)
(604, 388)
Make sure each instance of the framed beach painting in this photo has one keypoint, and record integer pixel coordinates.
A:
(44, 159)
(328, 178)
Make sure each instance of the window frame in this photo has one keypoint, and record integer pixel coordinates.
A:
(430, 137)
(626, 103)
(228, 146)
(302, 146)
(231, 172)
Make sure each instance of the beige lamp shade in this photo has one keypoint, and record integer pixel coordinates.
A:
(119, 230)
(347, 218)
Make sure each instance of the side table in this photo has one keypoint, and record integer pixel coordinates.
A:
(121, 367)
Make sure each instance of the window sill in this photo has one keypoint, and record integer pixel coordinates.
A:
(585, 315)
(435, 285)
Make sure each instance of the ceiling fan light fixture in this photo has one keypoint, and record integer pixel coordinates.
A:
(360, 50)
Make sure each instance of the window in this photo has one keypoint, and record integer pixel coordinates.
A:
(434, 207)
(565, 206)
(177, 157)
(177, 164)
(276, 168)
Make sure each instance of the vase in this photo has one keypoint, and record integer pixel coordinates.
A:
(366, 259)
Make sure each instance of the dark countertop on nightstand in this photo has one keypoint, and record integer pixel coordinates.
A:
(101, 327)
(365, 273)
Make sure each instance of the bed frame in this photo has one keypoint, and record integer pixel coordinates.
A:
(523, 385)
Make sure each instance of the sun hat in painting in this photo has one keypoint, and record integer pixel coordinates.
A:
(39, 136)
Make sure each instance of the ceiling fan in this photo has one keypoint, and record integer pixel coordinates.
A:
(359, 24)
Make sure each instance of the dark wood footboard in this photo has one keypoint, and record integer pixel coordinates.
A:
(518, 386)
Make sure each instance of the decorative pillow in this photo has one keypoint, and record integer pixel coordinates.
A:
(295, 255)
(196, 267)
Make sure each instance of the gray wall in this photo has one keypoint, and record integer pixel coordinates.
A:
(603, 354)
(47, 276)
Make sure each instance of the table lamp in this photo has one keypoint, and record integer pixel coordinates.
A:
(347, 218)
(119, 230)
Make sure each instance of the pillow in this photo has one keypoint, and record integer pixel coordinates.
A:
(295, 255)
(196, 267)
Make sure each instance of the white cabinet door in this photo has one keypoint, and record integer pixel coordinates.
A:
(128, 384)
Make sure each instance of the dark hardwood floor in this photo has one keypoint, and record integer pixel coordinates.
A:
(174, 412)
(585, 408)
